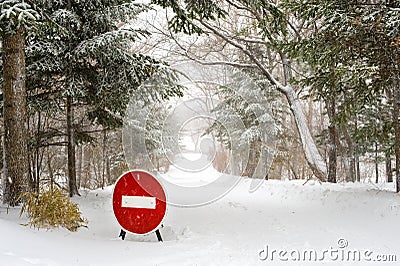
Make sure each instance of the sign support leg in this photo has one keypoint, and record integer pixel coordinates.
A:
(122, 234)
(159, 236)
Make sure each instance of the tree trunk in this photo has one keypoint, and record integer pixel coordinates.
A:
(376, 163)
(103, 165)
(346, 162)
(38, 156)
(73, 189)
(87, 160)
(15, 152)
(314, 158)
(234, 162)
(396, 111)
(332, 146)
(358, 170)
(332, 155)
(388, 166)
(50, 169)
(108, 171)
(356, 155)
(351, 177)
(79, 165)
(31, 177)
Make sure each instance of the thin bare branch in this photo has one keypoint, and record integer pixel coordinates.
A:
(251, 56)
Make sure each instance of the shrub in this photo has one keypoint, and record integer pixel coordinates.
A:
(50, 209)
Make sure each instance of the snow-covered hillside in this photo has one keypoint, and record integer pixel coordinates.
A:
(242, 228)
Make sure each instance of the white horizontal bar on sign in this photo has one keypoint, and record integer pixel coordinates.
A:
(139, 202)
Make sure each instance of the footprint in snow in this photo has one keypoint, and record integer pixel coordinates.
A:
(237, 205)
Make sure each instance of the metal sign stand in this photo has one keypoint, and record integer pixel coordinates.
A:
(159, 236)
(122, 235)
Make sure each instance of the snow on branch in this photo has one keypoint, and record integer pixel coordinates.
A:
(14, 14)
(252, 57)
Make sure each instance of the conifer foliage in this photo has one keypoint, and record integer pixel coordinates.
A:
(82, 56)
(79, 60)
(353, 51)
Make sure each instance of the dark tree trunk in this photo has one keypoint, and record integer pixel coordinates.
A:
(73, 189)
(50, 169)
(356, 156)
(38, 155)
(376, 163)
(79, 159)
(332, 150)
(396, 111)
(15, 123)
(108, 171)
(332, 156)
(103, 165)
(388, 164)
(358, 171)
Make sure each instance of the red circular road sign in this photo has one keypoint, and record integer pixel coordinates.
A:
(139, 202)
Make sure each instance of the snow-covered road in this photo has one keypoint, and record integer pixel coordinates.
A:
(240, 229)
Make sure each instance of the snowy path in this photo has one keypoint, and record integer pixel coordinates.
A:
(232, 231)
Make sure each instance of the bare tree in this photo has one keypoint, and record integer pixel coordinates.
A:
(250, 51)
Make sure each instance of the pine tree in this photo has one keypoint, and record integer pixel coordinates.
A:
(245, 123)
(15, 18)
(353, 51)
(80, 58)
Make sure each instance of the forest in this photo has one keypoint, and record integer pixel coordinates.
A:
(326, 72)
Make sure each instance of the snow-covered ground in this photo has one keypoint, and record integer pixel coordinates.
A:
(282, 219)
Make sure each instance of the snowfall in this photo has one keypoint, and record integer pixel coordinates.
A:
(270, 222)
